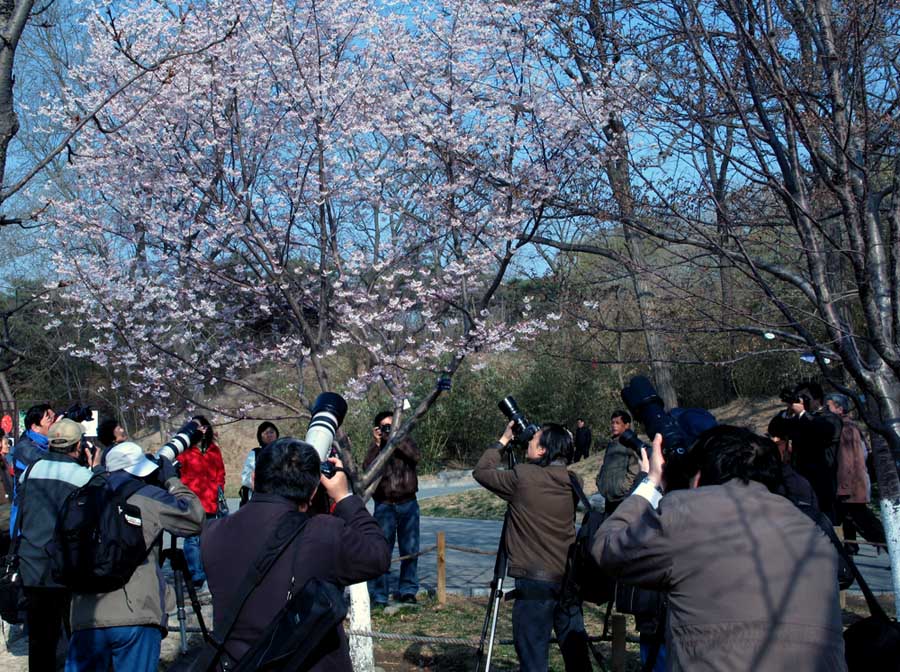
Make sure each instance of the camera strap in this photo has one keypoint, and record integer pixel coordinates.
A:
(288, 528)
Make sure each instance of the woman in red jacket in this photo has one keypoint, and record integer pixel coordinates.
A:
(203, 471)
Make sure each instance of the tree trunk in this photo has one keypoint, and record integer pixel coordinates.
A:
(662, 371)
(362, 653)
(883, 453)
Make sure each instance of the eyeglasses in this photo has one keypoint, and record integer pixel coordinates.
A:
(385, 428)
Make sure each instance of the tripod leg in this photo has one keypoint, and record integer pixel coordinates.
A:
(496, 613)
(182, 616)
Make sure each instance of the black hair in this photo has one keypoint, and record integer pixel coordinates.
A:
(35, 414)
(625, 415)
(557, 442)
(263, 426)
(813, 388)
(106, 431)
(288, 468)
(726, 452)
(381, 416)
(780, 426)
(208, 436)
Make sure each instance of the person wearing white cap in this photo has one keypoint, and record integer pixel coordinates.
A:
(122, 630)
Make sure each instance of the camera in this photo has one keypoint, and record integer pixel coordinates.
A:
(790, 395)
(629, 439)
(79, 413)
(523, 430)
(328, 413)
(647, 407)
(188, 435)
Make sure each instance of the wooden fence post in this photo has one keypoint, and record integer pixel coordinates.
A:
(441, 568)
(618, 643)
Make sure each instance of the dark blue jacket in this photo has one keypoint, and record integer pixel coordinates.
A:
(30, 447)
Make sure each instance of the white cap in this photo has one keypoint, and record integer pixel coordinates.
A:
(129, 456)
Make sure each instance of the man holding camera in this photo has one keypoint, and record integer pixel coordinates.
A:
(396, 508)
(815, 435)
(42, 490)
(346, 547)
(123, 628)
(621, 464)
(750, 578)
(540, 527)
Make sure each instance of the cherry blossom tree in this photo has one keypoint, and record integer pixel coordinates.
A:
(330, 179)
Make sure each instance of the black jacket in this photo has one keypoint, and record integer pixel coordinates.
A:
(346, 547)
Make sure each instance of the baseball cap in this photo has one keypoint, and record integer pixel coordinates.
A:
(129, 456)
(64, 433)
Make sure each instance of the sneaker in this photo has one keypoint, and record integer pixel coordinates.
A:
(407, 599)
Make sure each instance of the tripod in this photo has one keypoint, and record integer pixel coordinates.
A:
(182, 578)
(501, 565)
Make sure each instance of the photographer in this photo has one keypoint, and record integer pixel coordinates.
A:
(396, 508)
(346, 547)
(42, 490)
(621, 464)
(203, 471)
(123, 628)
(539, 530)
(751, 579)
(815, 435)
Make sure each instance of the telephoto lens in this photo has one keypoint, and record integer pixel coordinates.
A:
(183, 439)
(328, 413)
(523, 431)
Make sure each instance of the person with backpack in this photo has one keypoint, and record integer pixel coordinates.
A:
(343, 548)
(43, 489)
(266, 433)
(540, 528)
(124, 627)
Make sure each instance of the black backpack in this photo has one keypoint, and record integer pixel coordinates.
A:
(99, 537)
(584, 580)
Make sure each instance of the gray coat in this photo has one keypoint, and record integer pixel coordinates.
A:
(752, 582)
(143, 600)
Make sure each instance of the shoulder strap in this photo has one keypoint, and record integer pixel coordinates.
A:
(874, 608)
(576, 486)
(285, 532)
(17, 531)
(126, 489)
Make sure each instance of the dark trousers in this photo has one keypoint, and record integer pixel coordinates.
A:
(859, 517)
(536, 612)
(47, 616)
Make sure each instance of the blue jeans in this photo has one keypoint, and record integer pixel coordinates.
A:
(647, 647)
(536, 611)
(132, 648)
(192, 557)
(400, 521)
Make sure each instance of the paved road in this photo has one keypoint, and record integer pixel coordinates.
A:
(469, 574)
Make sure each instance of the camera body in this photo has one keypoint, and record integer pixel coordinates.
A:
(523, 430)
(647, 407)
(791, 395)
(79, 412)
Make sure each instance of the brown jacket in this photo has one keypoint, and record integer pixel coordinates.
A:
(399, 483)
(541, 523)
(853, 479)
(752, 581)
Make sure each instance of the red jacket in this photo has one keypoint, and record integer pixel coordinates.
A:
(204, 473)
